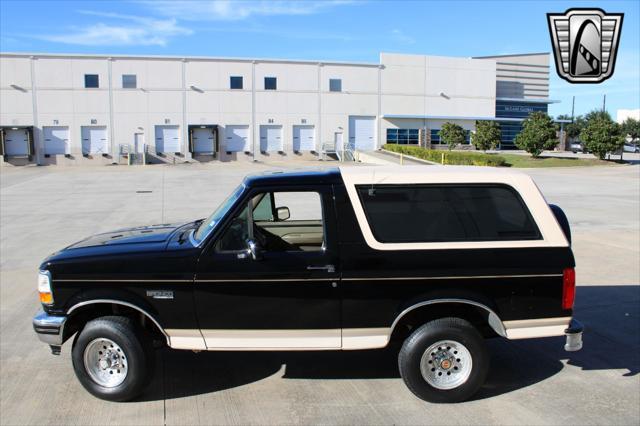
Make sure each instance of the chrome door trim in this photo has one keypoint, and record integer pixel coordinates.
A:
(460, 277)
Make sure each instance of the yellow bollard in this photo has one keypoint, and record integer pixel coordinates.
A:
(401, 159)
(442, 161)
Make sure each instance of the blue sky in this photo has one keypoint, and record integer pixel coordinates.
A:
(328, 30)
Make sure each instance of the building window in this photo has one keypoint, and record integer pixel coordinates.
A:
(270, 83)
(129, 81)
(403, 136)
(439, 213)
(435, 137)
(235, 82)
(91, 81)
(335, 85)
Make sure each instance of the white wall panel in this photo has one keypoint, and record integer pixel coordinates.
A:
(15, 101)
(15, 71)
(164, 74)
(80, 67)
(165, 101)
(55, 73)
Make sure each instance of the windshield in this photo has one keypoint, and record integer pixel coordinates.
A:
(210, 223)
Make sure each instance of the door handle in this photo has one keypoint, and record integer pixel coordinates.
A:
(329, 268)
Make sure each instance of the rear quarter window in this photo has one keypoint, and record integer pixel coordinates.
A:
(446, 213)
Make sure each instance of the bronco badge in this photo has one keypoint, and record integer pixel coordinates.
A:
(585, 43)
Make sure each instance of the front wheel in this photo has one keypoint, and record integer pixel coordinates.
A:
(444, 361)
(113, 358)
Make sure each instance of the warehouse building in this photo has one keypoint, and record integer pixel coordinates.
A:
(92, 109)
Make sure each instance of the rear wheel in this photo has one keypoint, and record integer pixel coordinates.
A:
(445, 360)
(113, 358)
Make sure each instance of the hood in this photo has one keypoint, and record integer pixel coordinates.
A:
(125, 242)
(138, 235)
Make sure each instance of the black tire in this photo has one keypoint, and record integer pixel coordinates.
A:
(135, 343)
(455, 329)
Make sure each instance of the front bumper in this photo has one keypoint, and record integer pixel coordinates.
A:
(573, 334)
(49, 328)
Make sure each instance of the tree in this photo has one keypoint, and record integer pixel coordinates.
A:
(574, 128)
(597, 113)
(538, 133)
(487, 135)
(601, 135)
(452, 134)
(631, 128)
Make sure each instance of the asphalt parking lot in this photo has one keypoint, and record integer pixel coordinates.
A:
(530, 381)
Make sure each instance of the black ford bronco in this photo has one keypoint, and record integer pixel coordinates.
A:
(434, 258)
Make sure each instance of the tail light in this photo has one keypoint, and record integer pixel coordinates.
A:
(568, 288)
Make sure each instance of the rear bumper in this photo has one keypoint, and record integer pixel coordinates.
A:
(573, 335)
(49, 328)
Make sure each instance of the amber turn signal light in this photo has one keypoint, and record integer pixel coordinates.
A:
(46, 298)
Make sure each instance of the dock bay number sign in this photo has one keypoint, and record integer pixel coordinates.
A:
(585, 43)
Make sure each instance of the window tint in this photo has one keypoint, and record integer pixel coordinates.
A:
(263, 210)
(282, 221)
(335, 85)
(437, 213)
(129, 81)
(91, 81)
(403, 136)
(270, 83)
(235, 82)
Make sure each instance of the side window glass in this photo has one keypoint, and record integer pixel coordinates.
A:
(263, 211)
(298, 225)
(237, 233)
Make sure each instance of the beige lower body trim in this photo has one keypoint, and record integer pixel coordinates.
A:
(272, 339)
(528, 329)
(186, 339)
(365, 338)
(290, 340)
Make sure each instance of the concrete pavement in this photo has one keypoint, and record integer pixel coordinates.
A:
(530, 381)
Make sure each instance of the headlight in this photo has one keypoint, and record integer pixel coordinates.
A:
(44, 287)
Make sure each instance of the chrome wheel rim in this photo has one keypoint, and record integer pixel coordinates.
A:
(105, 362)
(446, 364)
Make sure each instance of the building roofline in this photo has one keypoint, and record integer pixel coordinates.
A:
(512, 55)
(530, 100)
(239, 59)
(182, 58)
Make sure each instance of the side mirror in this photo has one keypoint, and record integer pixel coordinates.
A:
(254, 250)
(283, 213)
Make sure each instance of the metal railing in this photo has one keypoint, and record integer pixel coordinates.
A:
(132, 157)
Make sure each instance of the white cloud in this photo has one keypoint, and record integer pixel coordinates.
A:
(232, 10)
(129, 31)
(401, 37)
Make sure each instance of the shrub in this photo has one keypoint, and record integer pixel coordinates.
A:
(538, 133)
(601, 136)
(487, 135)
(452, 134)
(449, 157)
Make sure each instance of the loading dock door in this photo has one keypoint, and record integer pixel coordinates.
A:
(304, 138)
(362, 133)
(16, 142)
(168, 139)
(203, 141)
(271, 139)
(94, 140)
(237, 138)
(56, 140)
